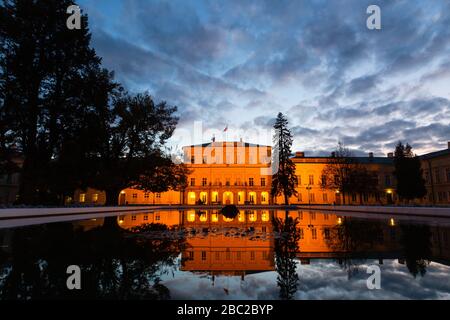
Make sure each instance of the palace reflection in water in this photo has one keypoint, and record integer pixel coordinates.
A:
(128, 256)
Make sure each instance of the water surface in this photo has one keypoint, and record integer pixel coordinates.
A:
(195, 254)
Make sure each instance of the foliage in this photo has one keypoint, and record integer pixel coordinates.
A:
(284, 180)
(408, 172)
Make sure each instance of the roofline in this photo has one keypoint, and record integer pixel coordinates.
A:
(246, 144)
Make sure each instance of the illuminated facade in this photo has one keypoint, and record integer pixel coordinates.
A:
(239, 173)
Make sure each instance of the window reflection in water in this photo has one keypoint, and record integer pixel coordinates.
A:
(150, 244)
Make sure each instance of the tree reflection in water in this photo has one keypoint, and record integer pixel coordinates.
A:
(286, 249)
(416, 243)
(351, 240)
(115, 263)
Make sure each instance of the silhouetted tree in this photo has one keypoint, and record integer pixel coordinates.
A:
(48, 81)
(115, 263)
(338, 171)
(408, 172)
(284, 180)
(131, 153)
(416, 242)
(344, 173)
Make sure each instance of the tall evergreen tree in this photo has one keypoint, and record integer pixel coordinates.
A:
(44, 69)
(284, 180)
(408, 172)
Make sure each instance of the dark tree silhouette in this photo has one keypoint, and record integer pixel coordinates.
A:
(408, 172)
(74, 126)
(132, 139)
(345, 174)
(284, 180)
(416, 242)
(47, 73)
(115, 263)
(286, 249)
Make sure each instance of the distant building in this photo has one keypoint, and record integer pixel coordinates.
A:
(436, 169)
(239, 173)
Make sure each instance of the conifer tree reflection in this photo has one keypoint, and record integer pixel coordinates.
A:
(286, 249)
(416, 243)
(115, 263)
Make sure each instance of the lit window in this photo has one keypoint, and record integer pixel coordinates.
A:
(95, 197)
(314, 234)
(146, 195)
(145, 218)
(133, 218)
(158, 195)
(263, 182)
(251, 182)
(191, 216)
(82, 197)
(134, 195)
(157, 217)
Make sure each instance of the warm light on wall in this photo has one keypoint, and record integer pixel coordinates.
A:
(389, 191)
(191, 216)
(339, 220)
(392, 222)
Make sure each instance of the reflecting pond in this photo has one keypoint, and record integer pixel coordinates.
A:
(256, 254)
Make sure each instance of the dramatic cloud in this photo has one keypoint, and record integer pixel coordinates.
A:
(239, 63)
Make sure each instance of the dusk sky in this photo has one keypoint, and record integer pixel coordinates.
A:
(239, 63)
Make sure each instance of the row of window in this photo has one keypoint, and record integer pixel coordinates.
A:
(94, 198)
(217, 182)
(231, 159)
(443, 196)
(440, 175)
(323, 180)
(238, 255)
(145, 217)
(146, 195)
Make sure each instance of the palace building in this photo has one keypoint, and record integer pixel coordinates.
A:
(240, 173)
